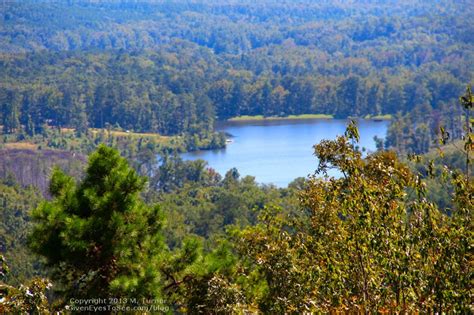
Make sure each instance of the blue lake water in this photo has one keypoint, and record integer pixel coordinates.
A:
(277, 152)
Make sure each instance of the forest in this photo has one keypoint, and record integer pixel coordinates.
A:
(190, 241)
(175, 68)
(99, 212)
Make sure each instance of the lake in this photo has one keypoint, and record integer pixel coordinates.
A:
(279, 151)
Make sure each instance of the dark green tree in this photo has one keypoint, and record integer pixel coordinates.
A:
(98, 236)
(10, 121)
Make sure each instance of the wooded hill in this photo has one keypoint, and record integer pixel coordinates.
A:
(176, 67)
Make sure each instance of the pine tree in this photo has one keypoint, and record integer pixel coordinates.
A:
(98, 236)
(11, 120)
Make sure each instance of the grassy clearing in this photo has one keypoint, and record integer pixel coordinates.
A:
(21, 145)
(131, 134)
(295, 117)
(115, 133)
(379, 117)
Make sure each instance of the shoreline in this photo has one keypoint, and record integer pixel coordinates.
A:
(248, 118)
(289, 117)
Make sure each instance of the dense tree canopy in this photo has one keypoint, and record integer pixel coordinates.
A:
(151, 78)
(16, 204)
(368, 241)
(174, 67)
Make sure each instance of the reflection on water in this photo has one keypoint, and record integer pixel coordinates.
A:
(279, 151)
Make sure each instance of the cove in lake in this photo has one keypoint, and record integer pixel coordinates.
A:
(279, 151)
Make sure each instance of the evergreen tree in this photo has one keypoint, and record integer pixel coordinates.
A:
(79, 120)
(11, 116)
(98, 236)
